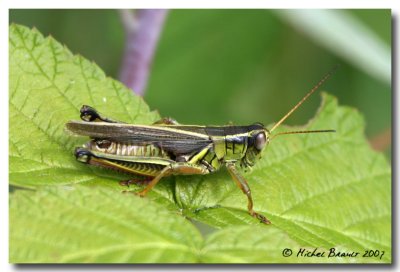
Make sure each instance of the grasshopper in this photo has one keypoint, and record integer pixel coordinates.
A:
(167, 148)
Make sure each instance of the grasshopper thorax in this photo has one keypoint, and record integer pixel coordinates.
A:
(258, 139)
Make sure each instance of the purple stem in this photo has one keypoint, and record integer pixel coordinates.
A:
(142, 30)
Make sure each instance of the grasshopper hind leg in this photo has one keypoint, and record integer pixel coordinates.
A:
(242, 184)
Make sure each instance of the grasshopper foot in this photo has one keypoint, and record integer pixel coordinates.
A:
(139, 182)
(125, 183)
(260, 217)
(140, 194)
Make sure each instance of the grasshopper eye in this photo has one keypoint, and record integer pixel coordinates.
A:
(103, 144)
(260, 141)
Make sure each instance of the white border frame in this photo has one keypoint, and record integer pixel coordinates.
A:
(5, 5)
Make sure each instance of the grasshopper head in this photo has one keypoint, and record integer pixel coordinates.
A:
(259, 136)
(258, 139)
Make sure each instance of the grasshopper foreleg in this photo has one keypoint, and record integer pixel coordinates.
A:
(242, 184)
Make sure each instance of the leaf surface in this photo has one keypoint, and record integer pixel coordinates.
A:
(48, 85)
(319, 190)
(82, 225)
(323, 190)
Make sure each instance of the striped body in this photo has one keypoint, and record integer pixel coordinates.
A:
(225, 143)
(126, 150)
(168, 148)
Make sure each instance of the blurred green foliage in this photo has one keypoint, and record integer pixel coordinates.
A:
(216, 66)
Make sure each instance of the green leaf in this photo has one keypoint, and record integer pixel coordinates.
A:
(323, 190)
(257, 244)
(48, 85)
(247, 244)
(80, 225)
(319, 190)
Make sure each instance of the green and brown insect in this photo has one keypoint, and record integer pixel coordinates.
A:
(168, 148)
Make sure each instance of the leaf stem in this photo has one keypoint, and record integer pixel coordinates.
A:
(142, 31)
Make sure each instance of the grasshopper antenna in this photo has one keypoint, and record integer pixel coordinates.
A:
(303, 132)
(328, 75)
